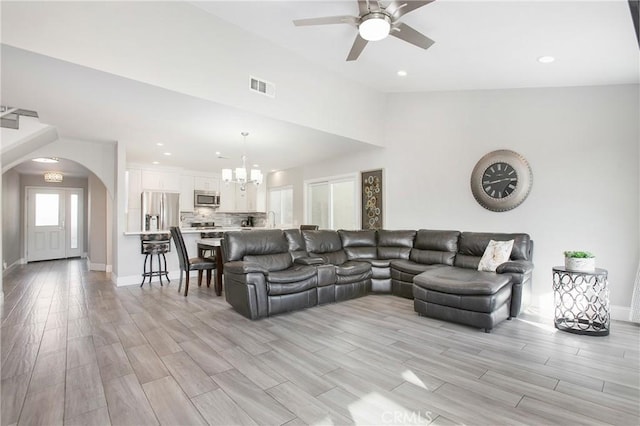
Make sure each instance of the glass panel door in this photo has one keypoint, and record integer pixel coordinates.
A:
(45, 224)
(332, 204)
(343, 205)
(55, 223)
(318, 205)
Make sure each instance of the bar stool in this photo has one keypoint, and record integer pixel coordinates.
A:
(158, 245)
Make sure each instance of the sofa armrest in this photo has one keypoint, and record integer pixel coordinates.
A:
(240, 268)
(515, 267)
(309, 261)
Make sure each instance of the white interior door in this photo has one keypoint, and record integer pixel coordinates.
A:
(55, 227)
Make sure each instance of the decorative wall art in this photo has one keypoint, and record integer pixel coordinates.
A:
(372, 199)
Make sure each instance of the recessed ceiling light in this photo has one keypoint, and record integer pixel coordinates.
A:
(155, 162)
(402, 73)
(160, 144)
(167, 153)
(45, 160)
(218, 153)
(546, 59)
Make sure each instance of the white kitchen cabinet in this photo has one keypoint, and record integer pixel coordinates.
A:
(233, 199)
(186, 193)
(155, 180)
(227, 197)
(241, 200)
(203, 183)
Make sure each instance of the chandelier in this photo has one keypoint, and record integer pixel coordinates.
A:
(240, 174)
(53, 177)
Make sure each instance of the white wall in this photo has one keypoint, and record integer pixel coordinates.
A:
(97, 224)
(209, 58)
(582, 144)
(11, 202)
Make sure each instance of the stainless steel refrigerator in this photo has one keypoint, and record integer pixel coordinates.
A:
(160, 210)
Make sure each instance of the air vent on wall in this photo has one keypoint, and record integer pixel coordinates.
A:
(262, 86)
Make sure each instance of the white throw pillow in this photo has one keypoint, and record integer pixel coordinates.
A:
(496, 253)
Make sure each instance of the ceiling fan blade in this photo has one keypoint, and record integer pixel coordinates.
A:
(408, 34)
(398, 8)
(363, 7)
(327, 20)
(357, 48)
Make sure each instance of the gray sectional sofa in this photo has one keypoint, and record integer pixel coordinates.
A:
(268, 272)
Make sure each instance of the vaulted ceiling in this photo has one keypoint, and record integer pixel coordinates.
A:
(176, 74)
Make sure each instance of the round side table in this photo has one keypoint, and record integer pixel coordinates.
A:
(581, 301)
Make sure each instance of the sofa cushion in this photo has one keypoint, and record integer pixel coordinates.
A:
(293, 274)
(296, 243)
(453, 280)
(379, 263)
(359, 244)
(410, 267)
(353, 267)
(278, 289)
(474, 243)
(395, 244)
(334, 258)
(428, 239)
(432, 247)
(271, 262)
(352, 271)
(322, 241)
(239, 244)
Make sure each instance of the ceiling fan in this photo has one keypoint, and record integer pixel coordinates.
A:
(375, 22)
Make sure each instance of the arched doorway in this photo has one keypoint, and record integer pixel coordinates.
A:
(78, 206)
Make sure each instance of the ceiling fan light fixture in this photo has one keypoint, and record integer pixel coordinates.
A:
(374, 26)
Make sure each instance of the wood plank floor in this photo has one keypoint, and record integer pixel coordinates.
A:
(77, 350)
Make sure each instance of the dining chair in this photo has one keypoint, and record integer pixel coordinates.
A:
(190, 264)
(211, 254)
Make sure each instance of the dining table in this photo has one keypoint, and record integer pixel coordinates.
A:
(213, 244)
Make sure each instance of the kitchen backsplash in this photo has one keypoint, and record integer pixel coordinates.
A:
(230, 220)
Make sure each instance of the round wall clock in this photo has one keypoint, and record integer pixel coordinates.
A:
(501, 180)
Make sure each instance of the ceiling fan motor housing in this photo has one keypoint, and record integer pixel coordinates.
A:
(374, 26)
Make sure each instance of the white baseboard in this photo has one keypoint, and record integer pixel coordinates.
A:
(98, 266)
(20, 261)
(620, 313)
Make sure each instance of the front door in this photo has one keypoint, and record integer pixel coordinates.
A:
(54, 223)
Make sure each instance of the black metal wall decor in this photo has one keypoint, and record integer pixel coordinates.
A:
(372, 199)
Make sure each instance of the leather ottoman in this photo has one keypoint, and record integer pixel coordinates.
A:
(466, 296)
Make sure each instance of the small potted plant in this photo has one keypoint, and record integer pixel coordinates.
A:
(581, 261)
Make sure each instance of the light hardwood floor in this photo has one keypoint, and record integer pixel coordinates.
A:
(78, 350)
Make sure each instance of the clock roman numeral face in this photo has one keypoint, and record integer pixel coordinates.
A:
(499, 180)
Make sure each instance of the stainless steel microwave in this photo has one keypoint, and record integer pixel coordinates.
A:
(206, 199)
